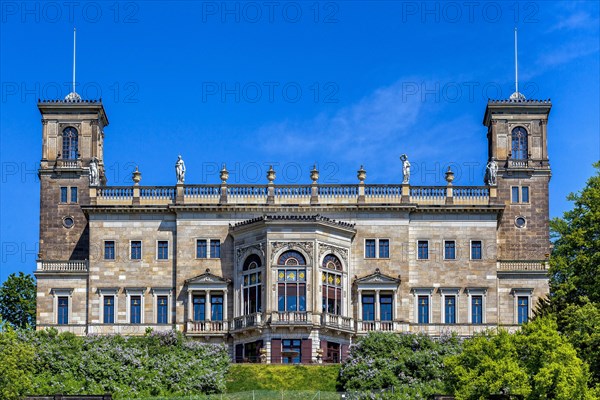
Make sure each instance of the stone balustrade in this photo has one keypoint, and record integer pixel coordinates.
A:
(518, 265)
(271, 194)
(207, 327)
(292, 318)
(337, 321)
(247, 321)
(62, 266)
(378, 326)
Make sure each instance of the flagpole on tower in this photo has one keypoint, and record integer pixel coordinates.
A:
(73, 96)
(517, 95)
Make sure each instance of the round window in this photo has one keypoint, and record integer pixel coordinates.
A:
(520, 222)
(68, 222)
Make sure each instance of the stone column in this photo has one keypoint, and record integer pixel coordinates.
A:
(377, 313)
(207, 306)
(179, 195)
(190, 306)
(224, 305)
(405, 193)
(359, 305)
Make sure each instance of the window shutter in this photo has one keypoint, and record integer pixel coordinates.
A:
(306, 349)
(324, 349)
(275, 351)
(239, 353)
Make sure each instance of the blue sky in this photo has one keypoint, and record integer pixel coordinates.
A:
(250, 84)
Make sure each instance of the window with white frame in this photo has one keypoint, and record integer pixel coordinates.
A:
(109, 250)
(135, 305)
(208, 248)
(63, 305)
(377, 248)
(422, 250)
(331, 279)
(162, 249)
(162, 305)
(422, 300)
(252, 285)
(476, 305)
(449, 250)
(449, 306)
(522, 305)
(135, 250)
(476, 250)
(108, 305)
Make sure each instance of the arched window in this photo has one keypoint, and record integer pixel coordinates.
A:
(331, 278)
(252, 285)
(291, 282)
(519, 143)
(70, 148)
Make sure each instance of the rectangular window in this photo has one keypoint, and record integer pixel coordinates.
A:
(201, 248)
(109, 309)
(73, 195)
(215, 249)
(291, 351)
(368, 307)
(423, 250)
(423, 303)
(136, 249)
(515, 194)
(384, 248)
(450, 309)
(63, 195)
(63, 310)
(163, 250)
(449, 250)
(476, 309)
(199, 308)
(135, 310)
(216, 308)
(109, 250)
(523, 309)
(370, 248)
(525, 194)
(385, 305)
(476, 250)
(162, 309)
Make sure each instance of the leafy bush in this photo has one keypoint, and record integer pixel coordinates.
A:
(158, 364)
(412, 364)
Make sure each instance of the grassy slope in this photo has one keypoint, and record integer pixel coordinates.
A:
(244, 377)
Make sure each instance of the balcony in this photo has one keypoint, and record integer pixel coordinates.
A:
(72, 266)
(207, 327)
(68, 164)
(247, 321)
(337, 322)
(522, 266)
(378, 326)
(288, 318)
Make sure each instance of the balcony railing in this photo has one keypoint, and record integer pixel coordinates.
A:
(63, 266)
(512, 163)
(378, 326)
(207, 326)
(291, 318)
(292, 194)
(68, 164)
(517, 265)
(127, 329)
(337, 321)
(247, 321)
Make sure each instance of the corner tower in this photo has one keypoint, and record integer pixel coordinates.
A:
(72, 160)
(518, 141)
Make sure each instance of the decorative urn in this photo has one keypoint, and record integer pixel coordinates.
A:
(449, 176)
(224, 174)
(314, 174)
(271, 174)
(361, 174)
(136, 176)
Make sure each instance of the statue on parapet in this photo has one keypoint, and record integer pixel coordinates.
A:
(94, 175)
(405, 169)
(180, 170)
(491, 172)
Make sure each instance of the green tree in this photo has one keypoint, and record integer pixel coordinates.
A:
(16, 365)
(575, 261)
(575, 274)
(535, 363)
(17, 300)
(410, 363)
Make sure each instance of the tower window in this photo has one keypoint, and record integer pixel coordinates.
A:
(519, 143)
(70, 144)
(63, 194)
(423, 250)
(74, 195)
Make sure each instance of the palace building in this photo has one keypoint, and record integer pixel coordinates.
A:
(290, 273)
